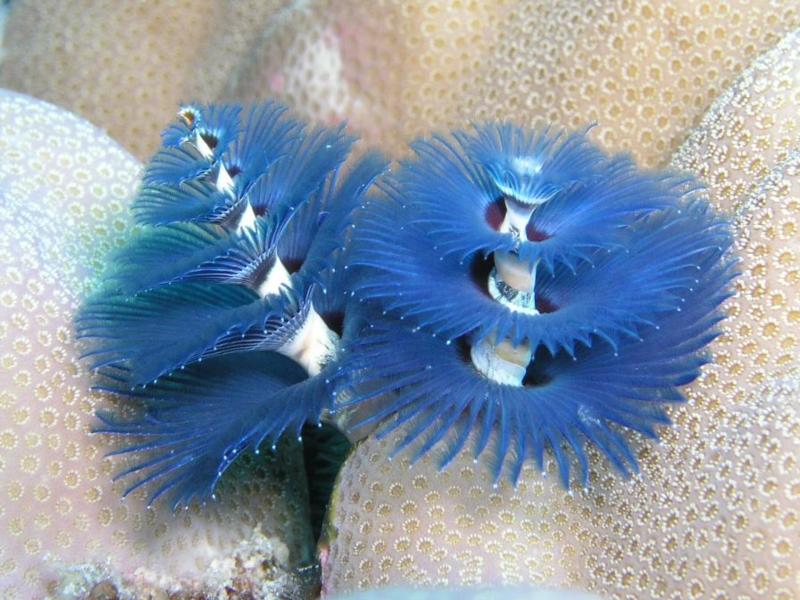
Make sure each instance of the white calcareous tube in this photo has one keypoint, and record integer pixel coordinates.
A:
(511, 283)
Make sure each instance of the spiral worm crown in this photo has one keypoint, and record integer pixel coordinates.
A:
(528, 283)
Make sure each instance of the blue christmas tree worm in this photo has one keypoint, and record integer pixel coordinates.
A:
(220, 320)
(528, 283)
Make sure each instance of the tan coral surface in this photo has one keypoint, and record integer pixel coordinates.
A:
(64, 192)
(125, 66)
(646, 71)
(716, 510)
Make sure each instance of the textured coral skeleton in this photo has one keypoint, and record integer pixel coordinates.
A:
(647, 71)
(504, 279)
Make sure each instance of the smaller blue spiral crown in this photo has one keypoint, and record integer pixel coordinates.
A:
(219, 324)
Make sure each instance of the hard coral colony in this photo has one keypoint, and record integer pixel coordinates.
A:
(502, 280)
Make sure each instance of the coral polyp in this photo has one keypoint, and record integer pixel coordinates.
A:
(529, 284)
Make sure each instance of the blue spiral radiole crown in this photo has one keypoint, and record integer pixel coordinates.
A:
(219, 324)
(527, 283)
